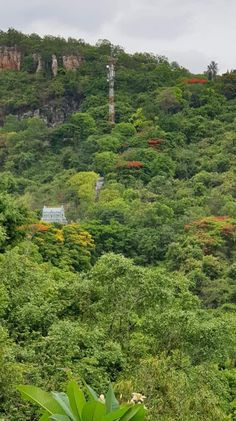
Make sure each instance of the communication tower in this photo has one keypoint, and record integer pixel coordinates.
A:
(111, 81)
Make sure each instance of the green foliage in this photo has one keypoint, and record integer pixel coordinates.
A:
(169, 100)
(84, 124)
(181, 391)
(11, 216)
(104, 162)
(124, 129)
(82, 187)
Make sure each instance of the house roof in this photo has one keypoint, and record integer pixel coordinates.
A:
(49, 209)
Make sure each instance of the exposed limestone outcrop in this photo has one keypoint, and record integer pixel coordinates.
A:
(10, 58)
(72, 62)
(39, 62)
(54, 65)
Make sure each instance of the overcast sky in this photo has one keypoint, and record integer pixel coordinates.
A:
(192, 32)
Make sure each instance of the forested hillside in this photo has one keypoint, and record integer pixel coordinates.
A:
(139, 288)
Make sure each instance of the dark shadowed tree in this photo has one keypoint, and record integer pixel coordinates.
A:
(212, 70)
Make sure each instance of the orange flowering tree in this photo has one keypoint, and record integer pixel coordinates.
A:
(213, 232)
(67, 246)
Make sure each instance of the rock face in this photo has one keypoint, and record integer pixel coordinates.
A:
(10, 58)
(72, 62)
(38, 60)
(54, 112)
(54, 65)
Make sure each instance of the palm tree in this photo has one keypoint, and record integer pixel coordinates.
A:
(212, 70)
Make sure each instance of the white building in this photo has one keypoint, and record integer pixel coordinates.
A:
(54, 215)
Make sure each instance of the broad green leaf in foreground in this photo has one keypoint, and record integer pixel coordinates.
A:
(92, 394)
(63, 401)
(58, 417)
(41, 398)
(76, 398)
(135, 414)
(111, 402)
(93, 411)
(116, 415)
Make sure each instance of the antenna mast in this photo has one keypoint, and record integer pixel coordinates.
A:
(111, 81)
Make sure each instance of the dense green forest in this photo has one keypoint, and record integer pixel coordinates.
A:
(139, 288)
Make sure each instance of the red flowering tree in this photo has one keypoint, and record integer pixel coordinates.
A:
(155, 143)
(195, 80)
(134, 164)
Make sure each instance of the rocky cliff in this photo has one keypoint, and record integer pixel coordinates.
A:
(54, 104)
(54, 112)
(10, 58)
(72, 62)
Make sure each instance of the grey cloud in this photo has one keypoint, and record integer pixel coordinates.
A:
(197, 59)
(151, 25)
(85, 15)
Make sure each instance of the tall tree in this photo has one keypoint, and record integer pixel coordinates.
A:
(212, 70)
